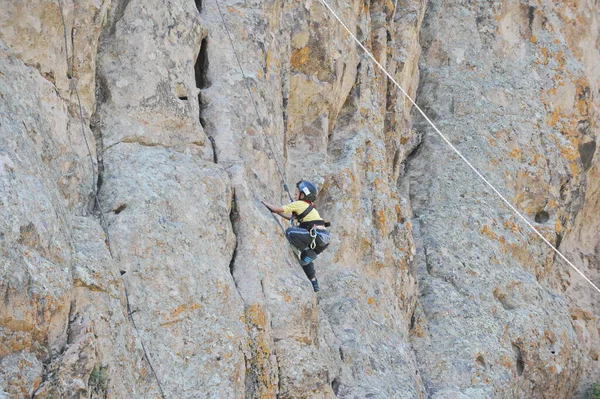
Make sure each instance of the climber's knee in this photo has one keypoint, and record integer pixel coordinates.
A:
(307, 256)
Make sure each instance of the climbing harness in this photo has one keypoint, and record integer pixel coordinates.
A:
(368, 53)
(308, 210)
(302, 215)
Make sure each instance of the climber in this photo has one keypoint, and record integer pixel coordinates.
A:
(310, 236)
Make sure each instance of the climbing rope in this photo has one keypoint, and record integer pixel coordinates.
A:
(73, 86)
(281, 175)
(130, 314)
(368, 53)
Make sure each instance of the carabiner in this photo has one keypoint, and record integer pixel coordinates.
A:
(313, 235)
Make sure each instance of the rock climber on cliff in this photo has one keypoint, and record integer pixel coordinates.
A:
(310, 235)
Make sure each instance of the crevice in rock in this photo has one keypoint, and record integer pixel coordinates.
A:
(542, 217)
(413, 152)
(558, 241)
(102, 92)
(214, 148)
(201, 66)
(119, 209)
(531, 15)
(250, 385)
(202, 106)
(586, 153)
(335, 385)
(428, 266)
(481, 361)
(72, 55)
(335, 147)
(7, 291)
(390, 126)
(98, 139)
(519, 359)
(142, 142)
(285, 94)
(95, 206)
(199, 5)
(202, 82)
(50, 368)
(119, 13)
(52, 363)
(278, 372)
(233, 217)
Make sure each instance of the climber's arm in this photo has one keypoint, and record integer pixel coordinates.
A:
(278, 210)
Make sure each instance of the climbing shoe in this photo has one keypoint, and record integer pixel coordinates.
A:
(315, 285)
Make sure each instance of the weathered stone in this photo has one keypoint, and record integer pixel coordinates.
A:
(186, 286)
(35, 241)
(481, 269)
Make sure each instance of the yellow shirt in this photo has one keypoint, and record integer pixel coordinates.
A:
(297, 207)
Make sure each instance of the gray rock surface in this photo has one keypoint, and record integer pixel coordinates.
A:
(185, 287)
(509, 92)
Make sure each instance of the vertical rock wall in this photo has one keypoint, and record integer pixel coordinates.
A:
(63, 316)
(511, 90)
(186, 286)
(578, 23)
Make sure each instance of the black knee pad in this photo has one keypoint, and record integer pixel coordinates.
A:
(307, 256)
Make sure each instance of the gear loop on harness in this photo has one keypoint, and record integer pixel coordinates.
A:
(313, 235)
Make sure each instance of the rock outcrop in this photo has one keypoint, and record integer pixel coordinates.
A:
(506, 88)
(138, 138)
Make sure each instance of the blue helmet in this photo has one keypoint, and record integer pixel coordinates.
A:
(308, 189)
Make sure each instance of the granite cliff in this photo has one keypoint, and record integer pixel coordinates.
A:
(136, 258)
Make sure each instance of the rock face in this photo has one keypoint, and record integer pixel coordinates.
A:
(511, 93)
(138, 138)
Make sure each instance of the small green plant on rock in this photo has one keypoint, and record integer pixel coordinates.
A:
(98, 382)
(595, 391)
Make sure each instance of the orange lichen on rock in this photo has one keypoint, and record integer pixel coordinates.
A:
(418, 329)
(554, 117)
(256, 316)
(515, 153)
(300, 57)
(398, 213)
(580, 314)
(545, 55)
(261, 353)
(381, 219)
(488, 232)
(570, 152)
(182, 308)
(506, 361)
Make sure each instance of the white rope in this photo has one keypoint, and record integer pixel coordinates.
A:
(454, 148)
